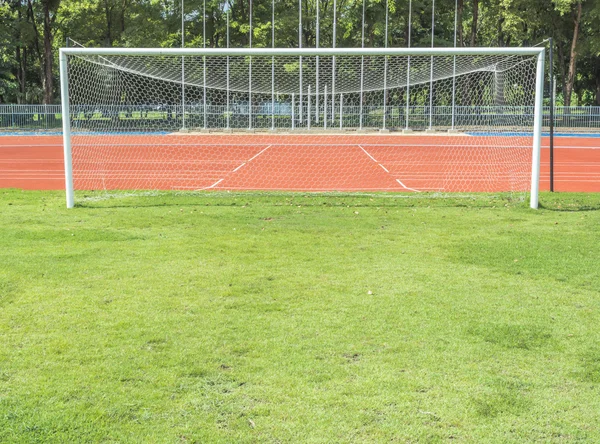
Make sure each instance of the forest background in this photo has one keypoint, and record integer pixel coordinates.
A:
(32, 31)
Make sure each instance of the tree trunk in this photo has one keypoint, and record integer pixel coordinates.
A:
(36, 41)
(459, 19)
(474, 24)
(21, 59)
(122, 21)
(108, 13)
(48, 56)
(45, 57)
(562, 68)
(597, 71)
(573, 60)
(499, 31)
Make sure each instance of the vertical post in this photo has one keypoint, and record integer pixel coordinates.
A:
(362, 84)
(537, 131)
(293, 111)
(454, 65)
(300, 58)
(362, 68)
(182, 69)
(333, 62)
(408, 66)
(272, 66)
(250, 75)
(551, 69)
(308, 108)
(227, 118)
(204, 61)
(431, 71)
(385, 68)
(317, 66)
(341, 110)
(325, 107)
(66, 126)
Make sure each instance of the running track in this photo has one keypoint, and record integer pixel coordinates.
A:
(260, 162)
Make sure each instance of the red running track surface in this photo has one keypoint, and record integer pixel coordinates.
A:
(368, 162)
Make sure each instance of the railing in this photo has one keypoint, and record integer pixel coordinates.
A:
(30, 117)
(237, 115)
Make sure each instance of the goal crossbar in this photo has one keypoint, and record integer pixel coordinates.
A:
(297, 52)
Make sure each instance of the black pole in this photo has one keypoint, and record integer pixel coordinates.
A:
(551, 61)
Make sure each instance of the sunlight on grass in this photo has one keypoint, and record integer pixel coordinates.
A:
(299, 318)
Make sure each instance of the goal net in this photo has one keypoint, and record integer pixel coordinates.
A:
(406, 120)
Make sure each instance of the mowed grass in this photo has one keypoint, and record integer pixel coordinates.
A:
(285, 318)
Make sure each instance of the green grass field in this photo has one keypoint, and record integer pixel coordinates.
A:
(285, 318)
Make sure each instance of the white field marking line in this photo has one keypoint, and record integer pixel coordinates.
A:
(577, 147)
(408, 188)
(385, 169)
(499, 147)
(31, 173)
(365, 151)
(238, 167)
(45, 145)
(214, 184)
(32, 177)
(31, 160)
(251, 159)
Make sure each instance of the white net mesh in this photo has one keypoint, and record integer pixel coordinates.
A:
(308, 123)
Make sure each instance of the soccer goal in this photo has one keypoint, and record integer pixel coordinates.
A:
(376, 119)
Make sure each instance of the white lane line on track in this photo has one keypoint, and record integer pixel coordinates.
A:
(238, 167)
(365, 151)
(143, 145)
(214, 184)
(386, 170)
(408, 188)
(258, 154)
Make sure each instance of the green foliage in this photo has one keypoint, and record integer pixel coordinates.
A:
(156, 23)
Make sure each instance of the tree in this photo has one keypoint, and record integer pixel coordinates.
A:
(42, 13)
(31, 31)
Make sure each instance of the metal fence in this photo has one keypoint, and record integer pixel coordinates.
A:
(30, 117)
(284, 115)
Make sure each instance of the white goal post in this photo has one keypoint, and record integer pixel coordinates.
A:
(259, 89)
